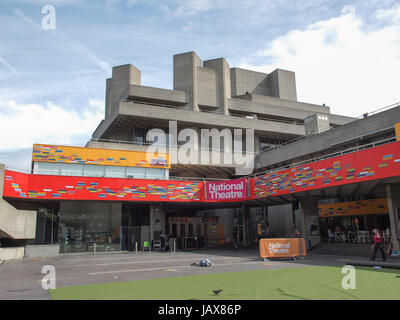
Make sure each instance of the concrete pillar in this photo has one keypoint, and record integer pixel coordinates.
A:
(245, 211)
(185, 76)
(309, 212)
(122, 78)
(223, 82)
(257, 147)
(283, 84)
(393, 199)
(157, 219)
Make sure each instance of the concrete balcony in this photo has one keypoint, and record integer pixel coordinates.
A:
(156, 95)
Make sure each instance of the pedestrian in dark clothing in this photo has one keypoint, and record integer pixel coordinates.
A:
(378, 245)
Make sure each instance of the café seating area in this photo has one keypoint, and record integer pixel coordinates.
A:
(360, 236)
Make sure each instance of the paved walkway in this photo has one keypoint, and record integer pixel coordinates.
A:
(21, 279)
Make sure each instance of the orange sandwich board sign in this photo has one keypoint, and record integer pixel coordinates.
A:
(282, 248)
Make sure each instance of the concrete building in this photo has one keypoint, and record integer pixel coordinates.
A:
(110, 193)
(206, 95)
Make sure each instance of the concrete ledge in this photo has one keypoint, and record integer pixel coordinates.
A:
(382, 264)
(12, 253)
(42, 250)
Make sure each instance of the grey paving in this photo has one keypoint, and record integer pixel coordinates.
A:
(21, 279)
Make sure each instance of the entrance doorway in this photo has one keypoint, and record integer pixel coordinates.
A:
(46, 226)
(203, 230)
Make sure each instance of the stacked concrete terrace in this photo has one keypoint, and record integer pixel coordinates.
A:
(206, 94)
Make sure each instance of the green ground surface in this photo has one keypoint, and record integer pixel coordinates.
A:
(291, 283)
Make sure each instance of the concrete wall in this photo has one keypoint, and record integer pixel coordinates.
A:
(185, 76)
(243, 81)
(12, 253)
(353, 131)
(170, 97)
(157, 220)
(207, 87)
(309, 207)
(283, 84)
(118, 87)
(42, 250)
(223, 82)
(17, 224)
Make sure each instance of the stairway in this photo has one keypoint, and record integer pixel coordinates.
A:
(346, 249)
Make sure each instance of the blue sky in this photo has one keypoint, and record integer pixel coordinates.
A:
(346, 54)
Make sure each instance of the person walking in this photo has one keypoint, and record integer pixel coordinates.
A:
(378, 245)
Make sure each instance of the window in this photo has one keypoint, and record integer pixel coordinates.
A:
(47, 168)
(139, 135)
(155, 173)
(71, 169)
(136, 173)
(115, 172)
(93, 171)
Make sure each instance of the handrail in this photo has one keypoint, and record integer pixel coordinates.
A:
(175, 178)
(328, 156)
(367, 114)
(299, 122)
(146, 144)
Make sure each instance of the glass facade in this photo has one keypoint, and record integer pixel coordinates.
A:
(91, 170)
(83, 224)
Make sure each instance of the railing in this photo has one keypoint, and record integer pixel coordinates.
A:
(167, 146)
(248, 116)
(69, 174)
(367, 114)
(154, 104)
(282, 144)
(394, 105)
(328, 156)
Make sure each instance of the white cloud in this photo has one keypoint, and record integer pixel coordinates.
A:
(64, 41)
(25, 124)
(338, 62)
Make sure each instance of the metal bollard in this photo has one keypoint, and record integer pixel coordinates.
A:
(174, 246)
(136, 247)
(94, 249)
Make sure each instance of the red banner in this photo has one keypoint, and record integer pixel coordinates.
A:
(366, 165)
(226, 190)
(21, 185)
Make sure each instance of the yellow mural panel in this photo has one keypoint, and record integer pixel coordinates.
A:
(354, 208)
(108, 157)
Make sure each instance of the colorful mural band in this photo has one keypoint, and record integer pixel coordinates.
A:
(77, 155)
(370, 164)
(353, 208)
(88, 188)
